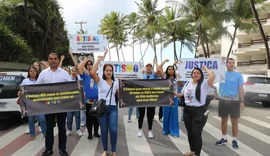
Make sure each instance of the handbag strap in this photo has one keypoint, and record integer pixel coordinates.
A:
(109, 90)
(111, 94)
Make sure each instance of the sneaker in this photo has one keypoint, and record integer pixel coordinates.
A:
(79, 133)
(47, 153)
(69, 133)
(160, 120)
(129, 121)
(234, 144)
(140, 133)
(63, 153)
(96, 135)
(27, 131)
(222, 142)
(39, 129)
(150, 135)
(82, 125)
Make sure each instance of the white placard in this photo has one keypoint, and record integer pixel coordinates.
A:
(125, 70)
(86, 43)
(216, 65)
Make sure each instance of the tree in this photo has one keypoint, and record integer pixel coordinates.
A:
(132, 21)
(113, 26)
(148, 21)
(256, 16)
(13, 48)
(241, 11)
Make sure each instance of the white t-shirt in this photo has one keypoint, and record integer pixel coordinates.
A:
(103, 89)
(27, 81)
(189, 92)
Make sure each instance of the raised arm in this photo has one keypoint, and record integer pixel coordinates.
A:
(73, 59)
(95, 69)
(82, 64)
(61, 61)
(211, 76)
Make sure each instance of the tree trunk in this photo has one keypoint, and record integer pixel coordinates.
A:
(181, 48)
(197, 43)
(117, 52)
(141, 51)
(155, 51)
(207, 46)
(123, 55)
(161, 49)
(202, 42)
(27, 22)
(133, 46)
(255, 13)
(174, 50)
(234, 34)
(110, 59)
(144, 53)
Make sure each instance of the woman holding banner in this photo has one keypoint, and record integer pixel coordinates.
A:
(31, 79)
(109, 120)
(170, 113)
(195, 111)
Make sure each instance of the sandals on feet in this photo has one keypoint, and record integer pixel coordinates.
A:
(189, 153)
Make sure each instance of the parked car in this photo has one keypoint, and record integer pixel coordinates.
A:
(257, 89)
(9, 83)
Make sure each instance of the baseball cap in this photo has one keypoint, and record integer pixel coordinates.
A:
(149, 64)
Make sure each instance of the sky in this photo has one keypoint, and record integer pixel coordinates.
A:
(93, 11)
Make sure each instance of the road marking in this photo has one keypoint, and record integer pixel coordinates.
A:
(85, 147)
(182, 142)
(250, 131)
(268, 117)
(12, 135)
(243, 150)
(137, 146)
(33, 147)
(256, 121)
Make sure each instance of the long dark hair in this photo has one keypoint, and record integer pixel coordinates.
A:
(167, 74)
(198, 88)
(85, 66)
(104, 67)
(28, 73)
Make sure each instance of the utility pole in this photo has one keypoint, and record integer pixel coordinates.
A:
(81, 23)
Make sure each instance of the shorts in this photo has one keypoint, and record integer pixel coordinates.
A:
(226, 107)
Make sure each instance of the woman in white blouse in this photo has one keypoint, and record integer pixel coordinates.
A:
(109, 120)
(195, 111)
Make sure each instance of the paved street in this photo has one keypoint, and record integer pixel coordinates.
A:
(254, 138)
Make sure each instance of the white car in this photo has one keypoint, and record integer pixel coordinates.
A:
(257, 89)
(9, 83)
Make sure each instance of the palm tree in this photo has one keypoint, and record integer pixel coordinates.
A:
(240, 11)
(113, 26)
(265, 40)
(208, 16)
(148, 18)
(132, 21)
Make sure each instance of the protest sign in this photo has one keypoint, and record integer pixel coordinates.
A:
(125, 70)
(52, 98)
(86, 43)
(216, 65)
(145, 93)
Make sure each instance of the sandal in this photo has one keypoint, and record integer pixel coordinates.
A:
(189, 153)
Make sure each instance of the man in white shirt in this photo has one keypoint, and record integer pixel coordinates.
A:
(54, 74)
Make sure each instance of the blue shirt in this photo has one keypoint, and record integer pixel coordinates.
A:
(90, 87)
(179, 89)
(230, 89)
(151, 76)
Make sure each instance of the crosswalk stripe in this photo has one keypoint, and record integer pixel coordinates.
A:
(268, 117)
(33, 147)
(85, 147)
(182, 142)
(137, 146)
(12, 135)
(256, 121)
(250, 131)
(242, 150)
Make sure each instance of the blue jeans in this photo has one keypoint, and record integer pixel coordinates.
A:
(70, 115)
(42, 122)
(130, 110)
(83, 117)
(109, 123)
